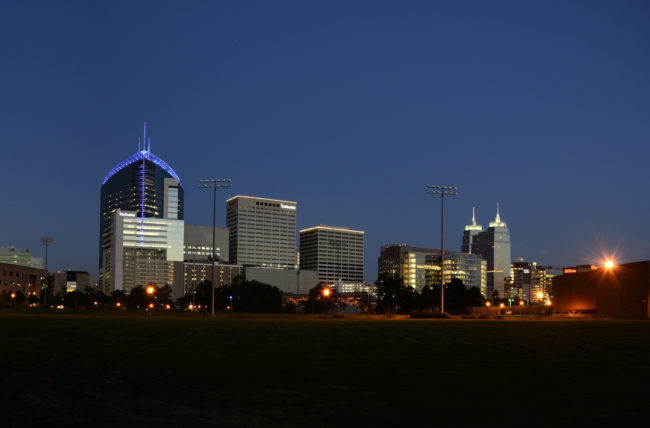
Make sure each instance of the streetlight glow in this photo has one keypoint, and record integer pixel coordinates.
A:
(150, 290)
(326, 292)
(609, 264)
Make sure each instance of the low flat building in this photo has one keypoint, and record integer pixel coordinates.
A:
(622, 291)
(19, 256)
(26, 279)
(72, 280)
(198, 243)
(189, 274)
(287, 280)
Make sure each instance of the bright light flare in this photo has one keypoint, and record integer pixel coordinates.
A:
(326, 292)
(609, 264)
(150, 290)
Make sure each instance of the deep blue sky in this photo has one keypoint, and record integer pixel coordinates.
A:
(347, 107)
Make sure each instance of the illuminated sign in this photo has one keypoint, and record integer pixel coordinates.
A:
(288, 207)
(123, 214)
(570, 270)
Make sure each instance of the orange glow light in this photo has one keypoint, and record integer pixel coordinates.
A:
(326, 292)
(609, 264)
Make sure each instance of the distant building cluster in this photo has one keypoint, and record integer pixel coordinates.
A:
(144, 239)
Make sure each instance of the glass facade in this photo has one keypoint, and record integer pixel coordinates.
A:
(420, 267)
(140, 224)
(138, 184)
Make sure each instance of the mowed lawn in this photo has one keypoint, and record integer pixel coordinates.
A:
(130, 369)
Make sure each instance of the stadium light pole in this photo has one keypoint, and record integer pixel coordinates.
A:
(442, 191)
(214, 184)
(45, 240)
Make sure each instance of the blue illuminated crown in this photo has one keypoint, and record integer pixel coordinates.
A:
(144, 154)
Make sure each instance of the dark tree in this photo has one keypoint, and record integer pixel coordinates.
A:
(118, 296)
(393, 296)
(322, 299)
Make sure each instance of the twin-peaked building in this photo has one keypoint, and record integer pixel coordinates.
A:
(492, 245)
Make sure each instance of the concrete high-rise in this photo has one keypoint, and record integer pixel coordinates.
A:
(493, 245)
(262, 232)
(336, 253)
(141, 222)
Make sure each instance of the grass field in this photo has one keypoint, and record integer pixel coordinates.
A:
(130, 369)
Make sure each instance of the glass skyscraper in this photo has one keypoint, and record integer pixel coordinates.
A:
(147, 188)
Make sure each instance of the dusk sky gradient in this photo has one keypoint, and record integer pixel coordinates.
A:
(348, 108)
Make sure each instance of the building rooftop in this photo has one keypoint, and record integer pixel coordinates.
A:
(335, 228)
(138, 156)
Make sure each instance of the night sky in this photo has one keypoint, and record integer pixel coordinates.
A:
(348, 108)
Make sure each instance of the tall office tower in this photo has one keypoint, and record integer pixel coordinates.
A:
(262, 232)
(471, 230)
(420, 267)
(142, 188)
(336, 253)
(494, 246)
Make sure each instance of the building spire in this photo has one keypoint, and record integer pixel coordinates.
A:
(149, 148)
(138, 144)
(497, 220)
(144, 136)
(474, 226)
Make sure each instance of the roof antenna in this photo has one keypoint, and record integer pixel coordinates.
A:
(138, 144)
(149, 149)
(473, 216)
(144, 137)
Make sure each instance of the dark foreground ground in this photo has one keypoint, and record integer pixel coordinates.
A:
(133, 370)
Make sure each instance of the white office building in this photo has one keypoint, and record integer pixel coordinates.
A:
(141, 251)
(262, 232)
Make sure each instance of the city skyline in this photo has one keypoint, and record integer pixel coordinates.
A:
(349, 114)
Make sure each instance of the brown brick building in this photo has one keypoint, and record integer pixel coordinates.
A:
(14, 278)
(620, 292)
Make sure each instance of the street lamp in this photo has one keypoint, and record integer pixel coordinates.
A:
(326, 295)
(150, 291)
(214, 184)
(540, 296)
(45, 240)
(442, 191)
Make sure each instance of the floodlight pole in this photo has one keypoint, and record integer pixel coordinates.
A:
(45, 240)
(442, 191)
(214, 184)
